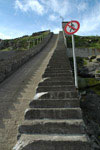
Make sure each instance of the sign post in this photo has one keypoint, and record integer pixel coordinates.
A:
(71, 28)
(74, 60)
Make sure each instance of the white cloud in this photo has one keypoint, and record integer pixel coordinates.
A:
(60, 7)
(51, 28)
(52, 17)
(90, 23)
(69, 9)
(56, 30)
(82, 6)
(3, 36)
(27, 5)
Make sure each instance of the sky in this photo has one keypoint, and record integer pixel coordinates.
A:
(24, 17)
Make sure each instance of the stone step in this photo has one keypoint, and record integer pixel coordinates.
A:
(59, 63)
(57, 69)
(56, 88)
(63, 78)
(59, 59)
(50, 74)
(52, 142)
(53, 113)
(52, 127)
(57, 95)
(59, 72)
(50, 83)
(54, 103)
(58, 66)
(59, 52)
(62, 59)
(59, 55)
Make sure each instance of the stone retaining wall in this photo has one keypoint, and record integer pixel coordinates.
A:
(8, 66)
(83, 52)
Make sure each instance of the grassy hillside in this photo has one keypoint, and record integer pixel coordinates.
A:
(23, 43)
(85, 41)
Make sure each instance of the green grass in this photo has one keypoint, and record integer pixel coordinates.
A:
(87, 82)
(97, 71)
(25, 42)
(6, 49)
(90, 83)
(85, 42)
(96, 89)
(85, 61)
(81, 62)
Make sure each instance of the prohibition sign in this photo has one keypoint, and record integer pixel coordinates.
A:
(72, 27)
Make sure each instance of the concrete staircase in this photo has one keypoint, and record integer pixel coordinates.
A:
(54, 119)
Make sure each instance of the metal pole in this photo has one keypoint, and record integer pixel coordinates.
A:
(74, 61)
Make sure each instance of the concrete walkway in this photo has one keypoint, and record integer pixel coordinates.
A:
(17, 91)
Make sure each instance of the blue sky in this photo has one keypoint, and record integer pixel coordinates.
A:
(22, 17)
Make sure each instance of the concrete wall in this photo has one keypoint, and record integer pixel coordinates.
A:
(14, 61)
(83, 52)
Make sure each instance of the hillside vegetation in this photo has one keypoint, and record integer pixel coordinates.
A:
(88, 69)
(23, 43)
(85, 41)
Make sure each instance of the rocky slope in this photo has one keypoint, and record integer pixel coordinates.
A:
(89, 88)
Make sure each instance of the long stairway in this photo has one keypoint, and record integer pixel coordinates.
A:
(54, 119)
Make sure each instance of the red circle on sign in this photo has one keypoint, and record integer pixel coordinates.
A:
(78, 26)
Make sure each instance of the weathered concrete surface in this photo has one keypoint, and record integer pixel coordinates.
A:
(53, 113)
(54, 103)
(49, 82)
(52, 127)
(58, 95)
(52, 142)
(56, 88)
(16, 93)
(55, 124)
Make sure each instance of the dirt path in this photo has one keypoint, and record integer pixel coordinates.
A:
(17, 91)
